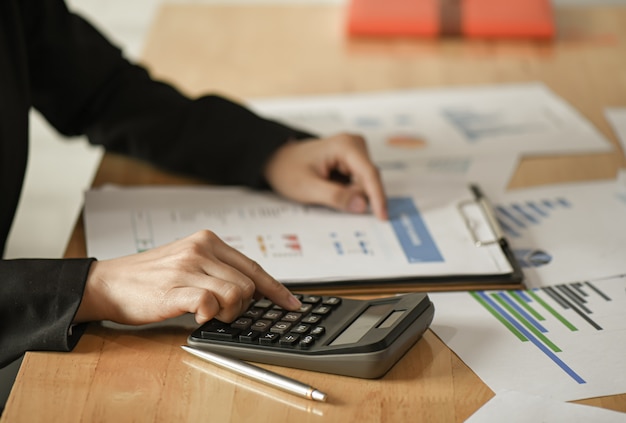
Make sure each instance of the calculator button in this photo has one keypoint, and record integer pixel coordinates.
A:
(311, 299)
(249, 336)
(318, 331)
(242, 323)
(305, 308)
(322, 310)
(223, 333)
(268, 338)
(214, 323)
(312, 319)
(292, 317)
(332, 301)
(273, 315)
(301, 329)
(261, 325)
(263, 303)
(289, 340)
(307, 341)
(281, 327)
(254, 313)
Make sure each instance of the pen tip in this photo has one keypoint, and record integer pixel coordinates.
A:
(318, 396)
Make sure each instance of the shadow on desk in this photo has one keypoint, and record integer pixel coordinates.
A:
(121, 339)
(7, 377)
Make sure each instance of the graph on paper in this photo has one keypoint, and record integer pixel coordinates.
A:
(523, 314)
(515, 119)
(516, 217)
(565, 232)
(477, 123)
(350, 239)
(566, 340)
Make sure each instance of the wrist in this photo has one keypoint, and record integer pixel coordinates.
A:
(90, 308)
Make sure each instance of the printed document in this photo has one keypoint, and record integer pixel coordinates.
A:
(519, 407)
(565, 341)
(432, 231)
(503, 119)
(567, 231)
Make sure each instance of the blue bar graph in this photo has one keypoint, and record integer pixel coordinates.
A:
(525, 313)
(411, 231)
(514, 218)
(519, 326)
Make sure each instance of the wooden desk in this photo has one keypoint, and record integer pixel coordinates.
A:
(256, 51)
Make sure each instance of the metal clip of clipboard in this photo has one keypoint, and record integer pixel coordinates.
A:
(487, 211)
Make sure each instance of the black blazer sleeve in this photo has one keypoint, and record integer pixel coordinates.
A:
(38, 300)
(82, 84)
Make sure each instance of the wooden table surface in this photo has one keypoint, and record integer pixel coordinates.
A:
(247, 51)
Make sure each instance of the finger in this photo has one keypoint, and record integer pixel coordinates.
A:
(368, 181)
(366, 176)
(223, 301)
(261, 280)
(222, 268)
(200, 302)
(229, 264)
(335, 195)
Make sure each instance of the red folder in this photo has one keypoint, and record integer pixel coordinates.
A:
(468, 18)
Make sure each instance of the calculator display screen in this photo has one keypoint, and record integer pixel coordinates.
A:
(362, 324)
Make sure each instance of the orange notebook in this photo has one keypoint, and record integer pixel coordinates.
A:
(468, 18)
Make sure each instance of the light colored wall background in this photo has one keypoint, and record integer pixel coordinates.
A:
(60, 170)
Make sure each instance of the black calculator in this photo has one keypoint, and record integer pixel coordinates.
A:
(330, 334)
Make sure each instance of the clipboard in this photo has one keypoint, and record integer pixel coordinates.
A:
(494, 236)
(436, 239)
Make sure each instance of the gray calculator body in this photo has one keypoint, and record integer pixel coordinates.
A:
(359, 338)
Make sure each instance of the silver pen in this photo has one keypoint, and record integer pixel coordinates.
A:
(259, 374)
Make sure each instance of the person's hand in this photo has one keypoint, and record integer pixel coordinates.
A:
(199, 274)
(304, 171)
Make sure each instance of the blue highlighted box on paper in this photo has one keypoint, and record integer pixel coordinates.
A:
(417, 243)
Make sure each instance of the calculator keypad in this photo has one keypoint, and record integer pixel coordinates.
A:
(265, 323)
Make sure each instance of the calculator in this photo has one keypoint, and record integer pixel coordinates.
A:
(330, 334)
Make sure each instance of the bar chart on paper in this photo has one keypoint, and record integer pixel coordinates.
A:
(506, 118)
(523, 314)
(516, 217)
(566, 232)
(565, 341)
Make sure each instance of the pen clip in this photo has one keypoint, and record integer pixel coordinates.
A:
(489, 217)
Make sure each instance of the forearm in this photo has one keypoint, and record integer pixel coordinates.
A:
(83, 85)
(210, 137)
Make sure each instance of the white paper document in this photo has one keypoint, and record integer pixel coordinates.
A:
(617, 118)
(512, 119)
(519, 407)
(432, 231)
(566, 341)
(491, 172)
(566, 232)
